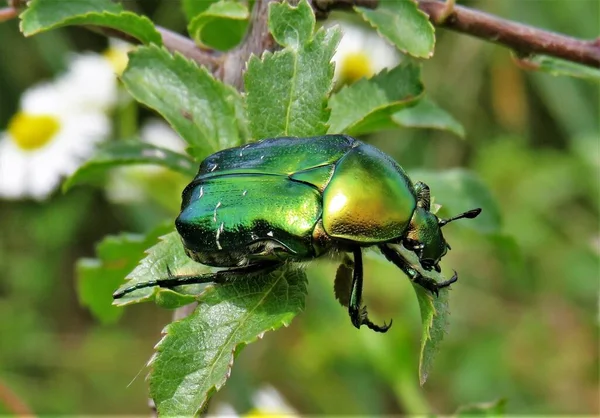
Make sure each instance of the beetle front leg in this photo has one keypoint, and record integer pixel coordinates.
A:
(217, 277)
(413, 274)
(358, 315)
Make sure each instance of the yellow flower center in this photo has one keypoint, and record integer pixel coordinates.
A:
(117, 58)
(258, 413)
(31, 132)
(354, 66)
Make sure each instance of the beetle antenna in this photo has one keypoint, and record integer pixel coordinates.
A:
(470, 214)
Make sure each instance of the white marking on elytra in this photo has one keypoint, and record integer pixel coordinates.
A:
(219, 234)
(214, 167)
(262, 156)
(215, 213)
(201, 192)
(242, 150)
(270, 233)
(244, 192)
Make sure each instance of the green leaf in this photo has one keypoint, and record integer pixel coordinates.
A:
(483, 409)
(404, 25)
(167, 254)
(43, 15)
(427, 114)
(202, 110)
(459, 190)
(193, 8)
(434, 315)
(221, 26)
(114, 154)
(367, 105)
(291, 26)
(559, 67)
(195, 357)
(98, 278)
(287, 90)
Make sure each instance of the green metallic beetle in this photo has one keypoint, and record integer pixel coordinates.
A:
(253, 208)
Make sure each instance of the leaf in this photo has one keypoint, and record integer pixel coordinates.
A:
(286, 91)
(221, 26)
(404, 25)
(193, 8)
(43, 15)
(434, 315)
(167, 254)
(114, 154)
(202, 110)
(97, 278)
(560, 67)
(367, 105)
(458, 190)
(195, 357)
(291, 26)
(427, 114)
(483, 409)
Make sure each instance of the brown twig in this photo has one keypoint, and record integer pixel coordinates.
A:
(524, 40)
(257, 41)
(323, 7)
(12, 402)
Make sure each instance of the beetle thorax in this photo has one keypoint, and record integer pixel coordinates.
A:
(369, 198)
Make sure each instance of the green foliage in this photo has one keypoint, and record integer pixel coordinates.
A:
(129, 152)
(404, 25)
(97, 278)
(204, 111)
(43, 15)
(193, 8)
(427, 114)
(286, 91)
(558, 67)
(221, 26)
(367, 105)
(167, 255)
(195, 357)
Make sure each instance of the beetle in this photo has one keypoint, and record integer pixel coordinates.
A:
(250, 209)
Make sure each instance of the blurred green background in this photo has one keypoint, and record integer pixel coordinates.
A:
(524, 323)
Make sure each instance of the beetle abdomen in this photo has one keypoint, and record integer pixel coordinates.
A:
(369, 199)
(228, 218)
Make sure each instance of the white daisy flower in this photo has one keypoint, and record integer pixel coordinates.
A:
(267, 402)
(56, 128)
(60, 123)
(361, 53)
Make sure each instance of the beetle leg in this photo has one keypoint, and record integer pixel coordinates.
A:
(413, 274)
(358, 315)
(221, 276)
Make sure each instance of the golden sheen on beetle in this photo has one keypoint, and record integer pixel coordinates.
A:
(251, 209)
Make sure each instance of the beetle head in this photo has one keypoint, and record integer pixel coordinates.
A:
(424, 235)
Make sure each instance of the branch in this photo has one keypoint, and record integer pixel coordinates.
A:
(524, 40)
(256, 42)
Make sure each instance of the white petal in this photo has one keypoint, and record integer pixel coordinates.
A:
(90, 84)
(157, 132)
(13, 169)
(268, 400)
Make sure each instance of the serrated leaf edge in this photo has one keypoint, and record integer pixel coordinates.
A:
(404, 51)
(234, 351)
(65, 22)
